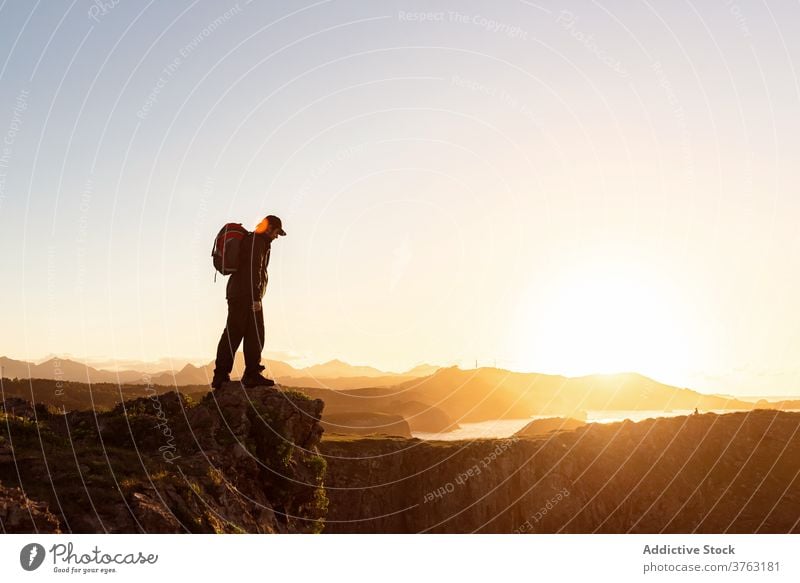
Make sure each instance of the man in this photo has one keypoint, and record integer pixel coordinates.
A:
(244, 292)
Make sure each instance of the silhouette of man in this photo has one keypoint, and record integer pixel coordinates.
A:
(246, 287)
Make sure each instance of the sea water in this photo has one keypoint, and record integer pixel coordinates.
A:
(501, 428)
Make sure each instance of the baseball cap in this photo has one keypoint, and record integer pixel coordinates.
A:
(273, 220)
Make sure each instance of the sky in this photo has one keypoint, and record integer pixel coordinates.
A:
(566, 187)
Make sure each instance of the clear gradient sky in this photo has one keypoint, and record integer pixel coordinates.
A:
(563, 187)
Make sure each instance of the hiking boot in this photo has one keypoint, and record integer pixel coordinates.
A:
(256, 380)
(219, 380)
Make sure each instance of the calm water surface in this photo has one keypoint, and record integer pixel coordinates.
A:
(499, 428)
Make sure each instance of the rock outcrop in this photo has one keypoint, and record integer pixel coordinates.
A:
(20, 515)
(418, 415)
(236, 461)
(423, 417)
(707, 473)
(539, 427)
(364, 423)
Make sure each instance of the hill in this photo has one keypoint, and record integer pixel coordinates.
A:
(490, 393)
(359, 423)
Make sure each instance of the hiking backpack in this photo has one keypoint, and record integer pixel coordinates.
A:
(225, 252)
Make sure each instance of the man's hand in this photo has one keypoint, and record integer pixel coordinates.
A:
(257, 306)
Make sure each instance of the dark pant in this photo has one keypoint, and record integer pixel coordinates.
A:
(242, 322)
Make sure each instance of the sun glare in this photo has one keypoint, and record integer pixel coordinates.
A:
(605, 322)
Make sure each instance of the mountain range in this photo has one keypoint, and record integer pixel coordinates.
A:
(334, 374)
(386, 403)
(491, 393)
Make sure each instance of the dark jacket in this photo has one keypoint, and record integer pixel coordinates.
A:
(250, 280)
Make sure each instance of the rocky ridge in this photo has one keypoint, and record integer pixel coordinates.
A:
(235, 461)
(705, 473)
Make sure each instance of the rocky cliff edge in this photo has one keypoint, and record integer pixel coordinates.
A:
(236, 461)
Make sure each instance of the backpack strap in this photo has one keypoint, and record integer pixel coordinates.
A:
(213, 248)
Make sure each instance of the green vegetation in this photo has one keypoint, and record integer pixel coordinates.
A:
(295, 394)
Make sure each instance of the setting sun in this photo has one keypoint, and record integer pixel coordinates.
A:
(605, 320)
